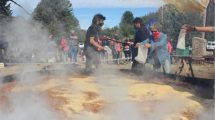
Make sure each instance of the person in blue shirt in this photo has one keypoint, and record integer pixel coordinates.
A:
(158, 52)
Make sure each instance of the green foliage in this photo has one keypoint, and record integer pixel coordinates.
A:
(127, 17)
(171, 20)
(5, 16)
(210, 19)
(110, 32)
(126, 24)
(5, 8)
(81, 35)
(57, 16)
(150, 16)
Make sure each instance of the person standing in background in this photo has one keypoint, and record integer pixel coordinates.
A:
(73, 44)
(64, 47)
(54, 55)
(112, 47)
(105, 42)
(118, 47)
(170, 48)
(126, 49)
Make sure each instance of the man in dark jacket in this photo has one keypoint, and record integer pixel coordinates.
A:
(141, 35)
(91, 46)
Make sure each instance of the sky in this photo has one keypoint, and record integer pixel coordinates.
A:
(84, 10)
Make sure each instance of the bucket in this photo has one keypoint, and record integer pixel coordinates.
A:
(182, 52)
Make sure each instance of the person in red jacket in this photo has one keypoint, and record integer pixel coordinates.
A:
(170, 48)
(64, 45)
(169, 45)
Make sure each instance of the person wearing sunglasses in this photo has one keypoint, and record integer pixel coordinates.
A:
(158, 51)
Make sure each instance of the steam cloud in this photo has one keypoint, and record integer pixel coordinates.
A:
(28, 42)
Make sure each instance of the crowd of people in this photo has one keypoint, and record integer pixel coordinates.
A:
(68, 48)
(120, 49)
(159, 46)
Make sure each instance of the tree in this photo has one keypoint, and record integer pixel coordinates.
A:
(210, 19)
(171, 20)
(81, 35)
(57, 16)
(5, 18)
(5, 8)
(149, 17)
(126, 24)
(176, 19)
(110, 32)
